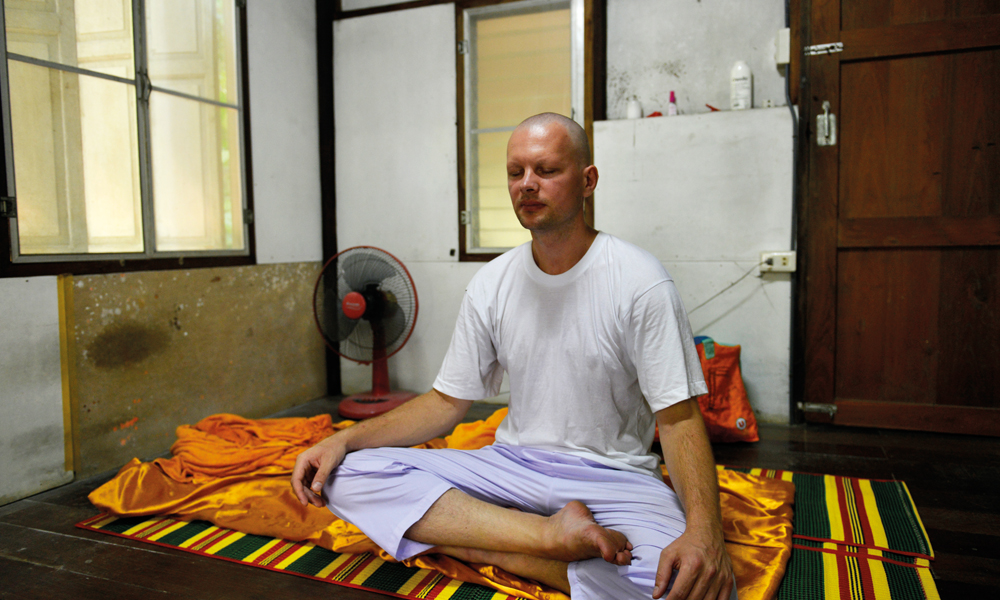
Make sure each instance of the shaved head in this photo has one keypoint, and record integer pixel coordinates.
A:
(579, 144)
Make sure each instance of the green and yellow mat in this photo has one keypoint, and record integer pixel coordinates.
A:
(854, 539)
(364, 571)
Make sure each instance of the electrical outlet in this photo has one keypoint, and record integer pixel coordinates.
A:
(777, 262)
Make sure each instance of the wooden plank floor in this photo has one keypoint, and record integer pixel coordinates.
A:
(955, 482)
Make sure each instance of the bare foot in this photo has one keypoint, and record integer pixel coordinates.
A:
(575, 535)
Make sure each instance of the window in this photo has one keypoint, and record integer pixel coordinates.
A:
(520, 59)
(123, 130)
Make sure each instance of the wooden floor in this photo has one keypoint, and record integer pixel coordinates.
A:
(955, 482)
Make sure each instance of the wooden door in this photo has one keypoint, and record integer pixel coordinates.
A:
(899, 222)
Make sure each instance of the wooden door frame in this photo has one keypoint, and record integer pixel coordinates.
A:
(814, 333)
(819, 233)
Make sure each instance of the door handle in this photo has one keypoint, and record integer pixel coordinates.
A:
(826, 127)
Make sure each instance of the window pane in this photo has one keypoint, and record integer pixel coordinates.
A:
(75, 162)
(522, 65)
(192, 47)
(197, 187)
(89, 34)
(498, 227)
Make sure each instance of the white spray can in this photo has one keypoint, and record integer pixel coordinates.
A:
(740, 86)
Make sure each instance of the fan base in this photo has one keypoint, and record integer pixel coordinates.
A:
(368, 405)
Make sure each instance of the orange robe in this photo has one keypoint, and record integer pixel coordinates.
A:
(234, 472)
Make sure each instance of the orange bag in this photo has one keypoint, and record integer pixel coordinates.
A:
(725, 408)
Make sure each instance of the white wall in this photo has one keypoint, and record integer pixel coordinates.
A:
(689, 46)
(706, 194)
(396, 170)
(284, 133)
(394, 86)
(32, 452)
(285, 146)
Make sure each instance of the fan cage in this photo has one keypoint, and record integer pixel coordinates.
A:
(358, 345)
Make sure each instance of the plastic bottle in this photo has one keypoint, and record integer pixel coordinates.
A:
(740, 86)
(633, 109)
(672, 107)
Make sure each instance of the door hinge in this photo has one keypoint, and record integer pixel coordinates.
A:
(248, 216)
(826, 127)
(8, 207)
(465, 217)
(820, 49)
(463, 47)
(814, 407)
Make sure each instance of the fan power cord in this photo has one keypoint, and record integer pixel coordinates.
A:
(769, 261)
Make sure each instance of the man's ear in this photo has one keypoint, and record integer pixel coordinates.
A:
(589, 181)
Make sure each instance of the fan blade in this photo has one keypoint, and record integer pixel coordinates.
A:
(393, 323)
(359, 344)
(334, 324)
(345, 324)
(362, 268)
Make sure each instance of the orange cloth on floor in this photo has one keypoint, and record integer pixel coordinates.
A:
(234, 472)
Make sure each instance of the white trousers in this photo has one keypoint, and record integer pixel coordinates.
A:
(385, 491)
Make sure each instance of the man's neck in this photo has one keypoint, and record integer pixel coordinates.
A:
(558, 252)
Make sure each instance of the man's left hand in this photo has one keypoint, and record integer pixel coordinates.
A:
(704, 571)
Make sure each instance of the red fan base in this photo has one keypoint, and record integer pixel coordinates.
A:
(377, 401)
(370, 404)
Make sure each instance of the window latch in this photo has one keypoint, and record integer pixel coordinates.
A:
(463, 47)
(8, 207)
(248, 216)
(465, 217)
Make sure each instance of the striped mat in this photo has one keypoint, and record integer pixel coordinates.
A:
(363, 571)
(855, 539)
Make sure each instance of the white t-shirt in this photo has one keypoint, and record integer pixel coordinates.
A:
(591, 353)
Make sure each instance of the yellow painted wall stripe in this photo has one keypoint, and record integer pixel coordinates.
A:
(833, 507)
(874, 519)
(67, 357)
(330, 568)
(294, 556)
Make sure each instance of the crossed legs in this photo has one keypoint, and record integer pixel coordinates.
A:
(522, 543)
(409, 502)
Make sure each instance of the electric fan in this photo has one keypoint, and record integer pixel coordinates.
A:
(365, 307)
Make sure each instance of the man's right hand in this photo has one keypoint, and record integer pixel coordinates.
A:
(313, 467)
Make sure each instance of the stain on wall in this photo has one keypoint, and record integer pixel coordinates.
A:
(158, 349)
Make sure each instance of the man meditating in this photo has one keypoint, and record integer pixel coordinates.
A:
(598, 349)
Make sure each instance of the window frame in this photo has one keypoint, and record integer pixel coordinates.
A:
(149, 259)
(588, 30)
